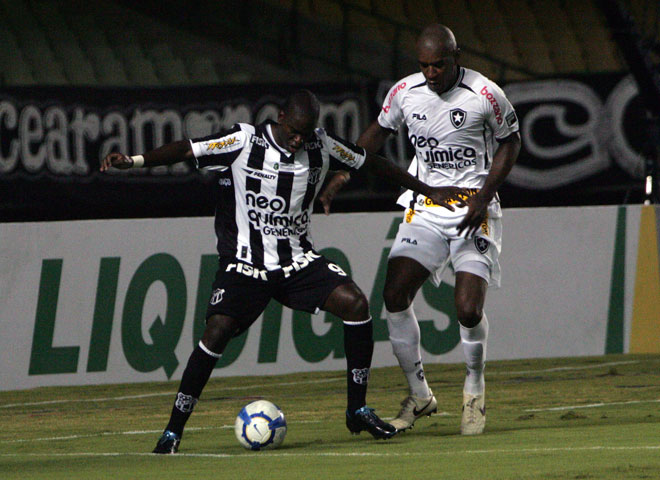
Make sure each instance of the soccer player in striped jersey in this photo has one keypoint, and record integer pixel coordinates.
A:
(268, 177)
(465, 134)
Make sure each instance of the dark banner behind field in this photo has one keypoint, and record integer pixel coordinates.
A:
(582, 139)
(53, 138)
(582, 142)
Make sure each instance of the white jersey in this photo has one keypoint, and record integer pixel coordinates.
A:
(265, 193)
(454, 133)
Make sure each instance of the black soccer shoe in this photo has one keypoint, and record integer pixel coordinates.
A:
(168, 443)
(366, 419)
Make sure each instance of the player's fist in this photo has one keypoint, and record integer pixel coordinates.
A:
(333, 186)
(117, 160)
(477, 211)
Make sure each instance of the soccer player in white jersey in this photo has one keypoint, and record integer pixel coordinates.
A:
(465, 134)
(269, 175)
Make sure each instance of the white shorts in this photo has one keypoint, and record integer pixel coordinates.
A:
(434, 243)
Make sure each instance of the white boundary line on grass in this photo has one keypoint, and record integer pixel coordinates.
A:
(223, 427)
(283, 384)
(106, 434)
(164, 394)
(149, 432)
(514, 451)
(563, 369)
(590, 405)
(130, 432)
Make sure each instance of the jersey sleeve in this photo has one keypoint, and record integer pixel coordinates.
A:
(343, 155)
(391, 114)
(500, 114)
(218, 151)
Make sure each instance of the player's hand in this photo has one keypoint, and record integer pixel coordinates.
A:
(117, 160)
(332, 187)
(475, 216)
(448, 196)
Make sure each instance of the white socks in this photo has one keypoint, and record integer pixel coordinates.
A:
(405, 336)
(474, 347)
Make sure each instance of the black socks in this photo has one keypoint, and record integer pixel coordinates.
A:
(359, 348)
(197, 373)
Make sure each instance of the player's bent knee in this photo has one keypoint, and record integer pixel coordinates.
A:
(468, 315)
(357, 309)
(354, 305)
(396, 299)
(348, 303)
(219, 330)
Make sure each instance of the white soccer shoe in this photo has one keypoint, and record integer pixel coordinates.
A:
(474, 414)
(412, 408)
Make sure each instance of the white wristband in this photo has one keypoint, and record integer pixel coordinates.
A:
(138, 161)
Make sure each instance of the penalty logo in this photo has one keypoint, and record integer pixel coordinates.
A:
(216, 296)
(482, 244)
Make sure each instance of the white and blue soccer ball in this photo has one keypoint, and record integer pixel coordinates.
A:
(260, 425)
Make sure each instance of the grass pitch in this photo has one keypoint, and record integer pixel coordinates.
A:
(567, 418)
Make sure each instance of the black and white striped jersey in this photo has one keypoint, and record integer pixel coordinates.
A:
(265, 193)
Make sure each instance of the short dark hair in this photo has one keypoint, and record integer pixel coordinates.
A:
(302, 103)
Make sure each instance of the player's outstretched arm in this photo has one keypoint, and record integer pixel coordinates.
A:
(503, 161)
(374, 137)
(383, 168)
(166, 155)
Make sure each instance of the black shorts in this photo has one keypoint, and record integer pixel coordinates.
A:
(243, 292)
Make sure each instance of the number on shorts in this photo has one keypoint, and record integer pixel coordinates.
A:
(337, 269)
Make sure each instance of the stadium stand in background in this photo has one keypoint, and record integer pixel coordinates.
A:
(164, 43)
(155, 55)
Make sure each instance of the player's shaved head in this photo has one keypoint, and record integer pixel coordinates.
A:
(437, 55)
(302, 104)
(437, 37)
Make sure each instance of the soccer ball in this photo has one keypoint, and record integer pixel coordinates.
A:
(260, 425)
